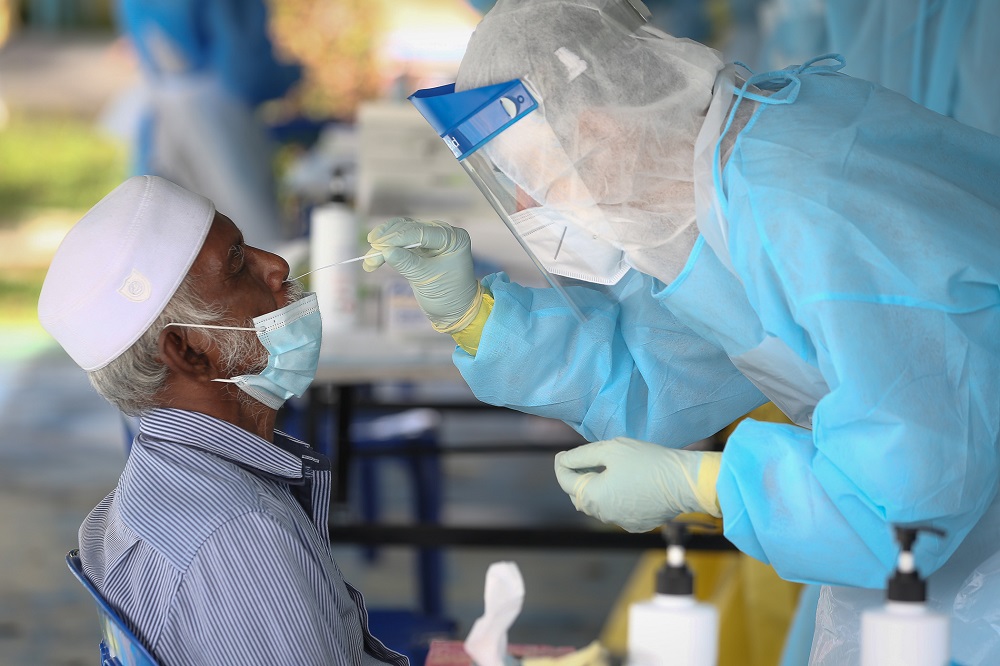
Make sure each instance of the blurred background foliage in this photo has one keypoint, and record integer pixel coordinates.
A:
(54, 162)
(54, 168)
(337, 44)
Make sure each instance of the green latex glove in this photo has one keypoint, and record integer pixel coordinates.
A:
(439, 270)
(638, 485)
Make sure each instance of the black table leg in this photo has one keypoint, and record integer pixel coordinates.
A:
(342, 442)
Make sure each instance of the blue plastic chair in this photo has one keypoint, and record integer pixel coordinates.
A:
(119, 646)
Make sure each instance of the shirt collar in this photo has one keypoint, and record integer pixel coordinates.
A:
(228, 441)
(306, 472)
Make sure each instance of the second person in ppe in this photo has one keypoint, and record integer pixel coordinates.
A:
(207, 66)
(831, 247)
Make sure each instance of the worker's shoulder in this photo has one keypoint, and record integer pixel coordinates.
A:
(868, 194)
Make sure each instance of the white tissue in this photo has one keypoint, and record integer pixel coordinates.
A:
(504, 597)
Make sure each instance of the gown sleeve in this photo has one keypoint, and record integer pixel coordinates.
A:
(906, 435)
(631, 369)
(864, 229)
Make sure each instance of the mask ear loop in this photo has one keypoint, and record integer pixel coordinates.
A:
(215, 327)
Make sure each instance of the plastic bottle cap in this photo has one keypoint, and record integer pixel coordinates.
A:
(906, 587)
(675, 580)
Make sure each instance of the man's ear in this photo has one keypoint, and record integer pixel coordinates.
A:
(187, 355)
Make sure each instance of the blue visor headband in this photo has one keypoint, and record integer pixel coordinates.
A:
(468, 120)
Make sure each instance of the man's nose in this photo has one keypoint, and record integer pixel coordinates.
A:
(275, 269)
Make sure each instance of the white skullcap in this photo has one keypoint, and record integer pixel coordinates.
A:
(625, 103)
(120, 265)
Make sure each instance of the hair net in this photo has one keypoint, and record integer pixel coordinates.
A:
(625, 105)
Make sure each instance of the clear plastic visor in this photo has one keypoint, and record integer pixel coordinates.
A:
(534, 187)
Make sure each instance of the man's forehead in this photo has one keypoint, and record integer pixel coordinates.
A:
(225, 228)
(222, 236)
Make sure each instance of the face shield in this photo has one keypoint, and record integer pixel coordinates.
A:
(578, 123)
(545, 202)
(502, 139)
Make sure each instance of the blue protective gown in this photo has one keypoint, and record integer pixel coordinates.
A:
(860, 289)
(207, 65)
(939, 53)
(228, 38)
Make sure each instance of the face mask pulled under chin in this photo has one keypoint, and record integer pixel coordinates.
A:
(292, 336)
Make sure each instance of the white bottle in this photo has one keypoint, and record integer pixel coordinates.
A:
(333, 237)
(673, 628)
(905, 632)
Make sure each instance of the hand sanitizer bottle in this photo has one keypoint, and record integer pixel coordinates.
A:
(672, 627)
(333, 237)
(905, 631)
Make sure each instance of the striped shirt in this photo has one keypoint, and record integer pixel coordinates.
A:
(214, 548)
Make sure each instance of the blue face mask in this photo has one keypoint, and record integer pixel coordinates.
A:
(292, 337)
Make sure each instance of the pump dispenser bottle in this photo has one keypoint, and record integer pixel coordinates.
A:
(334, 238)
(672, 627)
(905, 631)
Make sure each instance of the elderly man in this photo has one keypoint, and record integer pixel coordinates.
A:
(214, 545)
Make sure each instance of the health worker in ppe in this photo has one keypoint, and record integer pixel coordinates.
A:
(936, 53)
(207, 66)
(799, 236)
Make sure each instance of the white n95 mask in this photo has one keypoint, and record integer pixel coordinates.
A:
(292, 336)
(565, 249)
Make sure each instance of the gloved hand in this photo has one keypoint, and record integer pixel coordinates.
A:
(638, 485)
(439, 271)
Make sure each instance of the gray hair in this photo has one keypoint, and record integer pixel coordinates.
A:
(134, 379)
(132, 382)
